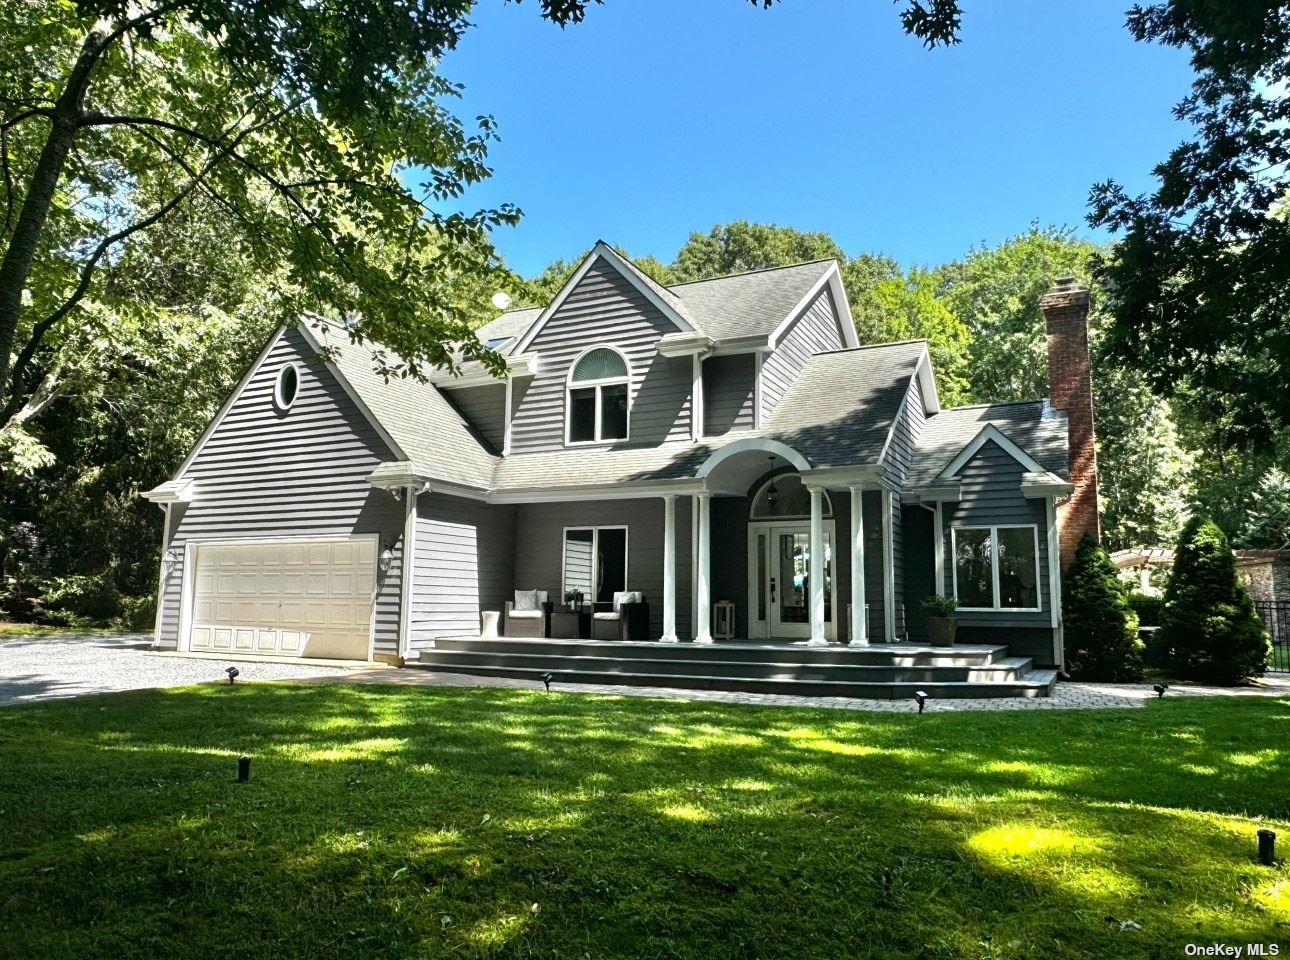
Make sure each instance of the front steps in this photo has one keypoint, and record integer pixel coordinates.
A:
(882, 672)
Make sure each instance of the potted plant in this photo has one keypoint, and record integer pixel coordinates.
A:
(941, 625)
(574, 599)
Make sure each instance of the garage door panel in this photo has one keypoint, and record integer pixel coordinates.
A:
(288, 598)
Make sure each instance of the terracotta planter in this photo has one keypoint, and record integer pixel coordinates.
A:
(941, 630)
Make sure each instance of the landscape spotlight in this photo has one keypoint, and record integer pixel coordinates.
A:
(921, 697)
(1161, 689)
(243, 769)
(233, 673)
(1267, 848)
(547, 678)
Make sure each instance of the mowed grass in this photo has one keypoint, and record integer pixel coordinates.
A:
(393, 822)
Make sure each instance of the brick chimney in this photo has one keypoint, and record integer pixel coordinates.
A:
(1070, 390)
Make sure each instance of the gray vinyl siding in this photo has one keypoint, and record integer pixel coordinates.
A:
(990, 494)
(875, 599)
(815, 331)
(918, 526)
(898, 566)
(465, 564)
(905, 433)
(539, 537)
(484, 409)
(729, 392)
(605, 309)
(302, 473)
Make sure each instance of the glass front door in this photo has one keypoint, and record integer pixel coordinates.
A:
(788, 585)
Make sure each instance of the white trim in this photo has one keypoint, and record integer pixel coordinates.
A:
(188, 589)
(615, 491)
(888, 570)
(506, 416)
(517, 366)
(280, 402)
(601, 251)
(759, 356)
(409, 570)
(832, 278)
(1055, 585)
(696, 398)
(669, 569)
(703, 628)
(758, 627)
(938, 541)
(994, 529)
(597, 385)
(756, 445)
(859, 626)
(989, 432)
(595, 551)
(770, 529)
(915, 379)
(161, 576)
(694, 566)
(815, 568)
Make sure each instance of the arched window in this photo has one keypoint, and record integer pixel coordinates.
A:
(785, 496)
(596, 397)
(286, 388)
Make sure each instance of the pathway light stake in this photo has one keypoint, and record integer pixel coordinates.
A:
(243, 769)
(921, 697)
(547, 678)
(1161, 689)
(1267, 848)
(233, 673)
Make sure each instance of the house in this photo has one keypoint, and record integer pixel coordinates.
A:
(726, 440)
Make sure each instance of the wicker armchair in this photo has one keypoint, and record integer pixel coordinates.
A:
(529, 623)
(626, 618)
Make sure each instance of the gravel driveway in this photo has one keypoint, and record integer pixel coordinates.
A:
(47, 668)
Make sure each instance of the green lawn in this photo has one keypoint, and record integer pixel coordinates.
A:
(9, 631)
(386, 821)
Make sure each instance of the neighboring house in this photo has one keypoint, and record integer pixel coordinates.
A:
(721, 440)
(1266, 573)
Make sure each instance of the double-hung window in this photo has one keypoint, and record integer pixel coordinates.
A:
(996, 568)
(597, 398)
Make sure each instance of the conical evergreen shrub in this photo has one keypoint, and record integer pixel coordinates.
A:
(1101, 630)
(1210, 629)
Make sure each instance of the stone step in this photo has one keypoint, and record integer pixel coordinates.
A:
(1035, 684)
(462, 661)
(887, 655)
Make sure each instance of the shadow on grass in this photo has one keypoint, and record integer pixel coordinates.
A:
(407, 822)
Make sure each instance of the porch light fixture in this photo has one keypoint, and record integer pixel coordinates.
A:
(386, 561)
(233, 674)
(1161, 689)
(547, 678)
(168, 561)
(772, 495)
(921, 697)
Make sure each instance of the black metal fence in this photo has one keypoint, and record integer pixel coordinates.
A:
(1276, 618)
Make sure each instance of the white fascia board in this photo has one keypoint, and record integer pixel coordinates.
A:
(621, 491)
(397, 476)
(524, 365)
(172, 491)
(934, 493)
(1045, 484)
(927, 383)
(351, 392)
(868, 475)
(989, 432)
(924, 363)
(683, 344)
(228, 404)
(832, 278)
(758, 343)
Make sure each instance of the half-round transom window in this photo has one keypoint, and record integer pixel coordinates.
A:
(597, 398)
(785, 496)
(286, 388)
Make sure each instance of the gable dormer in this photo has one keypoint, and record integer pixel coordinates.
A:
(600, 379)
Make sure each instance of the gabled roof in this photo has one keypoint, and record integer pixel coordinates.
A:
(741, 306)
(1037, 431)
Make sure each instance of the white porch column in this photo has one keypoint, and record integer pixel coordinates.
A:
(888, 571)
(859, 624)
(703, 625)
(669, 569)
(815, 570)
(938, 544)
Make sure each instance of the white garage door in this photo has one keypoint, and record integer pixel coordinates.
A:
(292, 599)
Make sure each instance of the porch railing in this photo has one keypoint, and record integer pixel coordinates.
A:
(1276, 619)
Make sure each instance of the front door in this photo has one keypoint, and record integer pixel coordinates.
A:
(788, 586)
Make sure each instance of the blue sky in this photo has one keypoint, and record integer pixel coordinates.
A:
(655, 118)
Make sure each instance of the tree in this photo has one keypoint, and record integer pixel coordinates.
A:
(742, 246)
(1101, 631)
(1267, 522)
(1201, 271)
(1210, 626)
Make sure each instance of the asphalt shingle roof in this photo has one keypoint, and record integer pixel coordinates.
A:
(948, 432)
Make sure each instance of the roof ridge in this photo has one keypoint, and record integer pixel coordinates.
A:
(746, 273)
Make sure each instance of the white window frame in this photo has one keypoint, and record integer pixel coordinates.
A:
(280, 403)
(595, 553)
(994, 565)
(570, 385)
